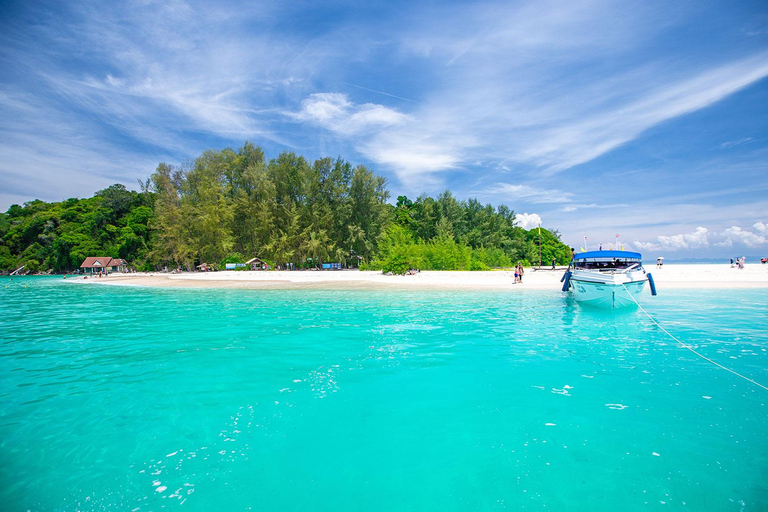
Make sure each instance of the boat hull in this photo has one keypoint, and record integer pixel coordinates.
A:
(609, 295)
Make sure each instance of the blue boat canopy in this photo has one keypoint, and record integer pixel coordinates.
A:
(608, 255)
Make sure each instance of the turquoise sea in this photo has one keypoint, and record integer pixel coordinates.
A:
(142, 399)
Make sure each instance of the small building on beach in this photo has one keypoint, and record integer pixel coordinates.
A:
(118, 265)
(96, 264)
(256, 264)
(103, 264)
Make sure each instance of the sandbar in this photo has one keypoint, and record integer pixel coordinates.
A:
(671, 276)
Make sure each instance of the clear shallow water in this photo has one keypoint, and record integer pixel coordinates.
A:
(143, 399)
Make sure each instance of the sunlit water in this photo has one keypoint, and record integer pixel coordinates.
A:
(143, 399)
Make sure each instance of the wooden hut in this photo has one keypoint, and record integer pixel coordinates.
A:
(118, 265)
(105, 264)
(256, 264)
(96, 264)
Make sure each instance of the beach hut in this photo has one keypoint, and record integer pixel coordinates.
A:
(256, 264)
(118, 265)
(96, 264)
(203, 267)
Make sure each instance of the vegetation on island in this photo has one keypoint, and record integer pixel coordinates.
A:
(230, 206)
(58, 236)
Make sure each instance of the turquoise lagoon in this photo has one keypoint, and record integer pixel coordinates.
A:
(145, 399)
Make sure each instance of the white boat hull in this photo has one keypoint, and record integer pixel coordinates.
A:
(608, 291)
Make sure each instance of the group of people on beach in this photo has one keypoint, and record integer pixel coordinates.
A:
(519, 273)
(739, 262)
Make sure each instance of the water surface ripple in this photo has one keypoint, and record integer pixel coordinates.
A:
(141, 399)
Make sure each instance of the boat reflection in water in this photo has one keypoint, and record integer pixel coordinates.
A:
(612, 279)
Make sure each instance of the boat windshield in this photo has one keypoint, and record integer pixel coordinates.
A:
(607, 263)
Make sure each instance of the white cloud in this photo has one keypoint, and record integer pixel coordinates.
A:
(511, 192)
(417, 165)
(335, 112)
(416, 155)
(528, 220)
(416, 149)
(761, 228)
(735, 234)
(701, 238)
(697, 239)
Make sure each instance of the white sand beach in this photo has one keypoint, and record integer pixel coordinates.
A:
(670, 276)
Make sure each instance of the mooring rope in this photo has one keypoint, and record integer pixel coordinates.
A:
(689, 348)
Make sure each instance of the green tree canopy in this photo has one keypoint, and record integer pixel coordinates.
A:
(287, 210)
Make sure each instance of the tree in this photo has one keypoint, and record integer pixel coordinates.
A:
(230, 203)
(117, 199)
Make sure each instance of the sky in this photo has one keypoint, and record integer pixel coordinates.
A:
(595, 118)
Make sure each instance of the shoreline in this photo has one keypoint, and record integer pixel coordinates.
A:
(682, 276)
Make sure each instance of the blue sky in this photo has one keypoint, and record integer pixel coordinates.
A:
(644, 119)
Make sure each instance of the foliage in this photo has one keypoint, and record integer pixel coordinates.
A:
(397, 264)
(59, 236)
(232, 205)
(447, 234)
(286, 210)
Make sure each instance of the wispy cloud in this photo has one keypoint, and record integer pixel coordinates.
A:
(100, 94)
(527, 193)
(335, 112)
(557, 133)
(51, 156)
(733, 143)
(569, 208)
(527, 86)
(416, 160)
(578, 141)
(380, 92)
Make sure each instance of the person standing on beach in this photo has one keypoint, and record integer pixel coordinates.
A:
(520, 273)
(731, 262)
(554, 263)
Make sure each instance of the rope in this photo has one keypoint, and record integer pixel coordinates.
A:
(689, 348)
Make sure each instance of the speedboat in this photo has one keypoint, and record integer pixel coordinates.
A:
(610, 279)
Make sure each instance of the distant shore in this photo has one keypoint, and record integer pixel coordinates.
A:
(669, 277)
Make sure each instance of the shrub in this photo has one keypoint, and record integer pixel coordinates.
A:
(478, 265)
(396, 264)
